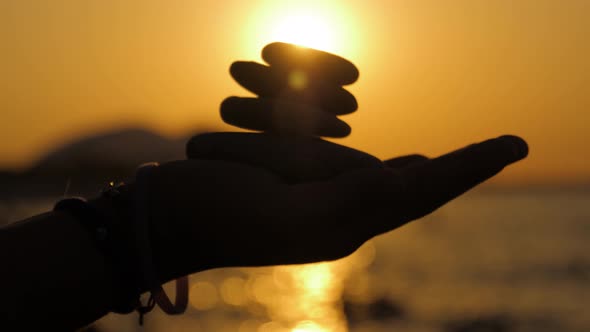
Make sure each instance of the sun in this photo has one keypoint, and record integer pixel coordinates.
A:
(308, 29)
(323, 25)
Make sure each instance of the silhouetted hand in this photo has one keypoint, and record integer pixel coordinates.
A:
(311, 201)
(285, 196)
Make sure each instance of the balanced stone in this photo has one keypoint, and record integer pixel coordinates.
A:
(282, 117)
(299, 94)
(268, 82)
(295, 159)
(334, 68)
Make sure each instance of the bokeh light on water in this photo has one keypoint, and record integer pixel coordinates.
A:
(233, 291)
(296, 298)
(203, 295)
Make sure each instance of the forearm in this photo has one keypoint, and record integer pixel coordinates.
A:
(53, 275)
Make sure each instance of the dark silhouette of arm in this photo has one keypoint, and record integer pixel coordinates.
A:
(247, 210)
(53, 276)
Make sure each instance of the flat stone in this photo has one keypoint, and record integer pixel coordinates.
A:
(319, 63)
(282, 117)
(296, 159)
(267, 82)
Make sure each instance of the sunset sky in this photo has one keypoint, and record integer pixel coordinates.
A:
(435, 75)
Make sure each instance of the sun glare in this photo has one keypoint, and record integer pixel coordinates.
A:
(324, 25)
(306, 29)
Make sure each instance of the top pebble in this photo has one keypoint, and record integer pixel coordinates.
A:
(331, 67)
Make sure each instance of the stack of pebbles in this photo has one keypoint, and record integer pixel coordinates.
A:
(299, 93)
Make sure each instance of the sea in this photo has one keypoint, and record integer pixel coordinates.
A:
(493, 260)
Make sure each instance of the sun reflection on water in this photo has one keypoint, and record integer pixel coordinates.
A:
(308, 298)
(315, 279)
(293, 298)
(308, 326)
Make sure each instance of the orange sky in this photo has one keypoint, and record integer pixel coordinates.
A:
(434, 76)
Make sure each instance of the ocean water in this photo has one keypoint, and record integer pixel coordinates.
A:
(488, 261)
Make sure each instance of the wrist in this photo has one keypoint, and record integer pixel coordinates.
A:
(115, 239)
(121, 206)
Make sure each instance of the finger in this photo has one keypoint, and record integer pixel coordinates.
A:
(385, 199)
(405, 161)
(268, 82)
(433, 183)
(282, 117)
(295, 160)
(334, 68)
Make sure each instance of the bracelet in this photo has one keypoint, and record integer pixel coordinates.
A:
(150, 280)
(124, 238)
(107, 233)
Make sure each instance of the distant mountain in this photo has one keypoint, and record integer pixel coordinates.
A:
(86, 165)
(123, 149)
